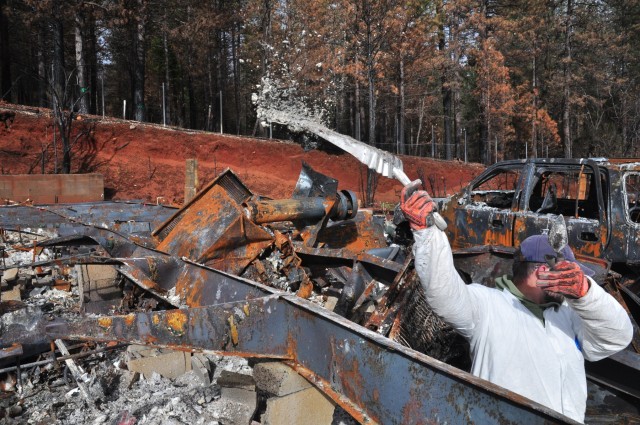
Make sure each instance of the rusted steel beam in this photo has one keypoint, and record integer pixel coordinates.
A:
(125, 217)
(14, 350)
(240, 328)
(373, 378)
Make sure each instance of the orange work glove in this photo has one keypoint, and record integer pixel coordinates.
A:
(565, 278)
(417, 208)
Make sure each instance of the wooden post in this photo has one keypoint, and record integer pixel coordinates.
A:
(191, 180)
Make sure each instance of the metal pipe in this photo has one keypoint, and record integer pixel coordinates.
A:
(343, 206)
(271, 211)
(62, 358)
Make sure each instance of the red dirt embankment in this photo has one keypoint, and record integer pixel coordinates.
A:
(144, 162)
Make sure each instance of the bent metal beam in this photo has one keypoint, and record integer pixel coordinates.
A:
(375, 379)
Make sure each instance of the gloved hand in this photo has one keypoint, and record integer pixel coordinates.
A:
(566, 278)
(418, 207)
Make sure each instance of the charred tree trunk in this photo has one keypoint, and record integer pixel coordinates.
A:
(372, 177)
(401, 118)
(193, 116)
(372, 100)
(220, 82)
(485, 107)
(140, 62)
(447, 107)
(81, 68)
(58, 53)
(167, 76)
(92, 62)
(5, 55)
(236, 76)
(534, 135)
(445, 86)
(566, 101)
(210, 89)
(42, 70)
(358, 119)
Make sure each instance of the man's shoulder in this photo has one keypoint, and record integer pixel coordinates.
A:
(487, 291)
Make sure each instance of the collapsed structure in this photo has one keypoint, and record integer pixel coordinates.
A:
(310, 281)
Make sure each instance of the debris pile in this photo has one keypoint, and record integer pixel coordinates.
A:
(85, 266)
(121, 384)
(232, 309)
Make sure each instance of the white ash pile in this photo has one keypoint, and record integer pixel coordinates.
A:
(217, 390)
(109, 383)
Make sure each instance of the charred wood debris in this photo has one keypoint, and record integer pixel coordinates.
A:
(67, 265)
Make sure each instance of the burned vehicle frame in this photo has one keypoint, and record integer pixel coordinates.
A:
(512, 200)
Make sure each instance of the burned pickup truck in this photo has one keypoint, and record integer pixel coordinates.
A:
(598, 198)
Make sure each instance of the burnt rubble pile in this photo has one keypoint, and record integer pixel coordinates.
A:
(78, 263)
(124, 384)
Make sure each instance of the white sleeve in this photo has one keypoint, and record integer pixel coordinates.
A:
(605, 327)
(445, 291)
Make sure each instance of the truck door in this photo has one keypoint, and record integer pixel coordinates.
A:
(484, 215)
(631, 226)
(573, 190)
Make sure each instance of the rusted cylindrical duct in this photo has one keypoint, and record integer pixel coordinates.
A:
(343, 207)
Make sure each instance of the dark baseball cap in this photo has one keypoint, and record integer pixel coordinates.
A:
(536, 249)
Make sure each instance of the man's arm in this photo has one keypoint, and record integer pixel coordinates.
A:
(606, 327)
(445, 291)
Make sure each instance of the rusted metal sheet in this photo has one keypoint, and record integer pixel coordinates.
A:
(215, 231)
(181, 282)
(360, 234)
(384, 270)
(230, 184)
(221, 228)
(52, 188)
(373, 378)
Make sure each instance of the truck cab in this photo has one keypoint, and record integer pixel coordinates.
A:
(511, 200)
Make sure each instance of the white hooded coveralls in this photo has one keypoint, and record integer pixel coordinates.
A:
(509, 345)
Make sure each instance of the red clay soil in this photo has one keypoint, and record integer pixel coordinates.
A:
(145, 162)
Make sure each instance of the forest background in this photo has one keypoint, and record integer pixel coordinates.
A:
(477, 80)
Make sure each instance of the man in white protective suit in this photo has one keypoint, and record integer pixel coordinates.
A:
(533, 331)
